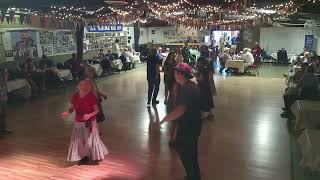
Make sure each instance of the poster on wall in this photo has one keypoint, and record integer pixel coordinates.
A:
(46, 37)
(308, 42)
(24, 44)
(47, 49)
(64, 42)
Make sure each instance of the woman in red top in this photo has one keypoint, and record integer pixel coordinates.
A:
(85, 141)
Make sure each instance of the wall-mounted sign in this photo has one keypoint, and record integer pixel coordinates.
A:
(105, 28)
(308, 42)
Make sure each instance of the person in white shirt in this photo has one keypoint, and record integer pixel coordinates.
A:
(116, 49)
(247, 56)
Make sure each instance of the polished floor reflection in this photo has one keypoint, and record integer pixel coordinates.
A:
(247, 141)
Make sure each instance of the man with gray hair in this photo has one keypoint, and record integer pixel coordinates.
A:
(247, 57)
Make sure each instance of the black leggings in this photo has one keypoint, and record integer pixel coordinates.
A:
(153, 90)
(187, 148)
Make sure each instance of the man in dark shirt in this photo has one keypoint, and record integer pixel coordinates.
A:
(186, 53)
(188, 117)
(153, 77)
(46, 62)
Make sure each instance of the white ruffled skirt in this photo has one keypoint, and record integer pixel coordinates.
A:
(85, 143)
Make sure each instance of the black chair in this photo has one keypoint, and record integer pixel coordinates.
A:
(282, 57)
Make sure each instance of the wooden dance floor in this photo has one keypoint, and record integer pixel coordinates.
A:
(247, 141)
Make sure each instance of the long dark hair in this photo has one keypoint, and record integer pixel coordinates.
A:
(170, 58)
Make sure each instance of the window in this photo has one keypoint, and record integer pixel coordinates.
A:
(153, 31)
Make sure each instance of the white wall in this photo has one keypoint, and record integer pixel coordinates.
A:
(274, 38)
(129, 30)
(158, 36)
(317, 44)
(7, 44)
(143, 35)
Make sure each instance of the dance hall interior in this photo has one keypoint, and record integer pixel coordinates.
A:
(159, 90)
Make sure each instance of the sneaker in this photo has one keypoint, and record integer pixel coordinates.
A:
(155, 102)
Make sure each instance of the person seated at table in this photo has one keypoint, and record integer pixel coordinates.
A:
(248, 58)
(51, 72)
(125, 59)
(101, 54)
(298, 61)
(28, 71)
(223, 58)
(307, 57)
(316, 66)
(109, 55)
(27, 66)
(76, 67)
(227, 45)
(307, 88)
(257, 51)
(232, 50)
(46, 62)
(308, 84)
(297, 75)
(305, 49)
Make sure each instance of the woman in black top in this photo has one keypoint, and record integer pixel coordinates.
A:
(188, 117)
(170, 90)
(203, 74)
(168, 70)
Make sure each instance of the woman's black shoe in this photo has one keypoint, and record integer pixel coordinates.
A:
(171, 144)
(84, 161)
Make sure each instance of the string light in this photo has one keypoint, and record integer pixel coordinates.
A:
(179, 12)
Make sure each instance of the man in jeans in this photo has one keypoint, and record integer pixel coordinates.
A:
(3, 102)
(153, 77)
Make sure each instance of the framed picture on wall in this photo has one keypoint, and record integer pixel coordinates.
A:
(9, 53)
(47, 49)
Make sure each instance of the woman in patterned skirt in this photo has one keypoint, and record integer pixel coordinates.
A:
(85, 144)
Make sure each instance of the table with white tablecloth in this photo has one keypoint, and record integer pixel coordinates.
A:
(20, 86)
(310, 149)
(290, 56)
(307, 114)
(97, 68)
(116, 64)
(65, 74)
(239, 64)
